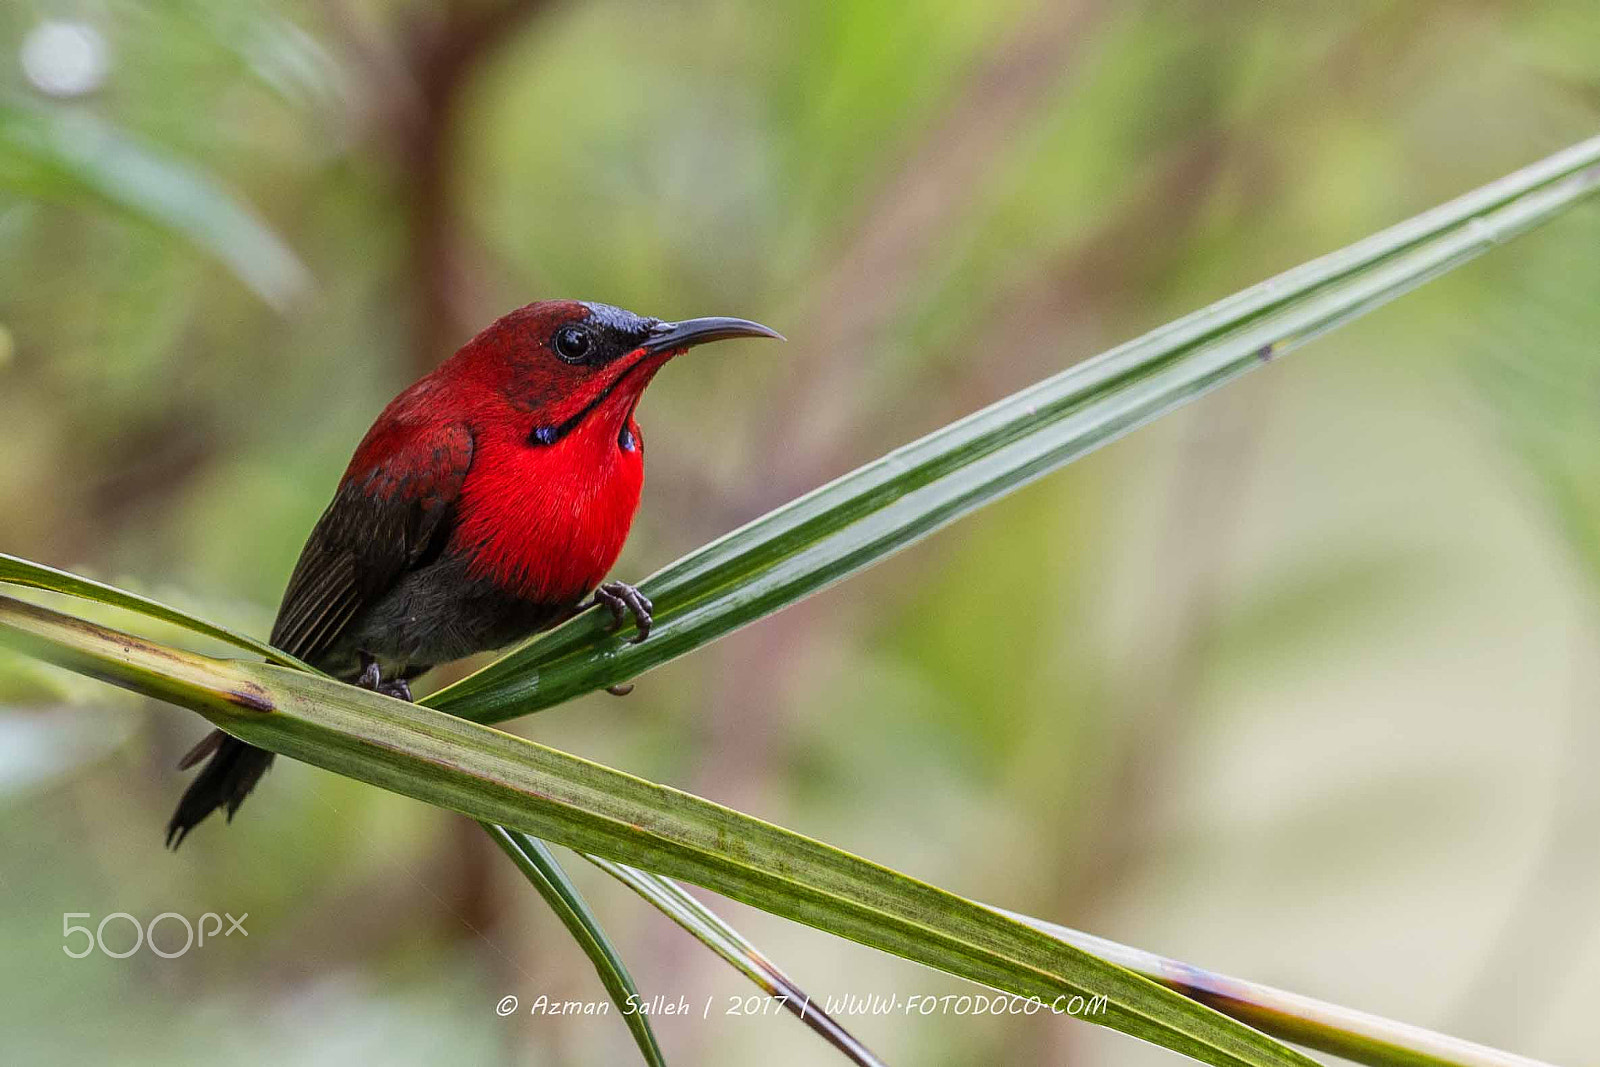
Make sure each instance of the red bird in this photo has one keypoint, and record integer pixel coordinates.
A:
(486, 503)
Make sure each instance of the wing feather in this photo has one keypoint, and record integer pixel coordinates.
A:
(389, 516)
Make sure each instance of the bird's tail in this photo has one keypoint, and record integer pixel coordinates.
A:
(233, 770)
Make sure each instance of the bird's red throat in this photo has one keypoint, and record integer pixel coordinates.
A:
(547, 522)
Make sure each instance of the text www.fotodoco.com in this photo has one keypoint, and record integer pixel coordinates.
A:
(848, 1004)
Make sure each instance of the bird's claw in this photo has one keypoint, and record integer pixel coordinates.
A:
(622, 600)
(372, 678)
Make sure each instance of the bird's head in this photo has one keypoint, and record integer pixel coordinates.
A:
(566, 361)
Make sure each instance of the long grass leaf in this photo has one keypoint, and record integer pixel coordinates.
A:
(711, 930)
(499, 778)
(893, 502)
(72, 156)
(1358, 1036)
(540, 866)
(26, 573)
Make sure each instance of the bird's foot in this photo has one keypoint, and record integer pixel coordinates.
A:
(372, 678)
(622, 600)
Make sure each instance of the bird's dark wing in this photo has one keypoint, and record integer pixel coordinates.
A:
(390, 515)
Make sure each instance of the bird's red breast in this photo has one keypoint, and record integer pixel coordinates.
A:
(548, 522)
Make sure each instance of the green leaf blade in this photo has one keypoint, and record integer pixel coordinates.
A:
(710, 929)
(496, 777)
(540, 866)
(889, 504)
(30, 575)
(59, 154)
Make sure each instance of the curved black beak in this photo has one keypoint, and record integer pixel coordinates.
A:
(668, 336)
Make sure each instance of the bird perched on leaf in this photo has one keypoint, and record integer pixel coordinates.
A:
(487, 502)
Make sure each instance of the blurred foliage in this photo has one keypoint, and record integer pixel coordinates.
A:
(1292, 685)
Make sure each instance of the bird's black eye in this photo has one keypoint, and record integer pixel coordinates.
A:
(572, 343)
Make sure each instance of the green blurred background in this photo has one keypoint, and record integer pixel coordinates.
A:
(1298, 684)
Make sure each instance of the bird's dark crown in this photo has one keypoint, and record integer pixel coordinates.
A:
(610, 332)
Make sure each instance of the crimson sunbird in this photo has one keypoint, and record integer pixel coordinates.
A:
(487, 502)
